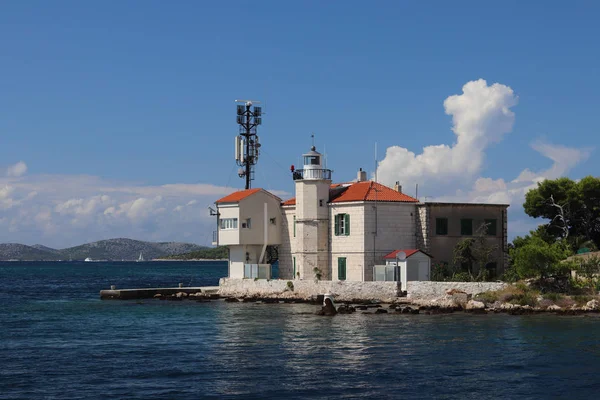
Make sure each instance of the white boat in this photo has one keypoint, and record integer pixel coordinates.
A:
(88, 259)
(141, 258)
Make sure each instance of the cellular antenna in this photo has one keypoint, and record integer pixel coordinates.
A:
(247, 146)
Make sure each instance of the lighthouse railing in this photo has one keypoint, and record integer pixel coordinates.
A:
(311, 174)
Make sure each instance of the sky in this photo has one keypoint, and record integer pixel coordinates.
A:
(117, 118)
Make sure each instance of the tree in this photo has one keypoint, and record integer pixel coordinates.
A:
(475, 251)
(571, 208)
(537, 258)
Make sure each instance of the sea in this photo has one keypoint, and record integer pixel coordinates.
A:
(58, 340)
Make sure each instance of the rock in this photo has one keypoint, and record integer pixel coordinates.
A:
(460, 299)
(474, 305)
(328, 309)
(507, 306)
(345, 309)
(180, 295)
(361, 307)
(381, 311)
(158, 296)
(231, 300)
(592, 305)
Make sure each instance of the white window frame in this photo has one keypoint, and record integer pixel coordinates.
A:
(228, 224)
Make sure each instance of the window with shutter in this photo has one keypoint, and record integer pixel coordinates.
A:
(342, 268)
(491, 227)
(466, 227)
(346, 224)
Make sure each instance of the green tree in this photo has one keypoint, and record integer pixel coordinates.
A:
(537, 258)
(475, 251)
(571, 208)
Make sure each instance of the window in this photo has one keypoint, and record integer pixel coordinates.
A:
(492, 269)
(342, 268)
(311, 160)
(294, 226)
(320, 202)
(247, 224)
(294, 258)
(491, 227)
(342, 224)
(466, 226)
(441, 226)
(229, 223)
(273, 221)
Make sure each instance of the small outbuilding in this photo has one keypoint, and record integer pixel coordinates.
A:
(410, 265)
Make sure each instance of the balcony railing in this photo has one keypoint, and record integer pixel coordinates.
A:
(311, 174)
(215, 239)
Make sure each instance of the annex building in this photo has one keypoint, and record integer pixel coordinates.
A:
(344, 231)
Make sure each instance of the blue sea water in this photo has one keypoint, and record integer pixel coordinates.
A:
(59, 341)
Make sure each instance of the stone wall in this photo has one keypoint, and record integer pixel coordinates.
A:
(425, 290)
(305, 289)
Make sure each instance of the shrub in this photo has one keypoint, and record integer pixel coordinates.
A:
(566, 302)
(581, 300)
(553, 296)
(487, 297)
(290, 285)
(461, 277)
(545, 303)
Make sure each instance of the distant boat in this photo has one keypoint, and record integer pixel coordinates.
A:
(141, 258)
(88, 259)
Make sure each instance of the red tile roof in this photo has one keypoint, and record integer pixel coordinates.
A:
(361, 191)
(372, 191)
(408, 253)
(237, 196)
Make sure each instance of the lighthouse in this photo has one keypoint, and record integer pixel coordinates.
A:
(312, 217)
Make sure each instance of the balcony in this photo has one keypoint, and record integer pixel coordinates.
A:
(215, 239)
(311, 174)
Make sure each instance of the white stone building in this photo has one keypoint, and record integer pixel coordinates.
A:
(341, 231)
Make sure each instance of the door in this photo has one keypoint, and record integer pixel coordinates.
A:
(342, 268)
(423, 270)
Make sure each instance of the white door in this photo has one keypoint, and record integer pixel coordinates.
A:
(423, 270)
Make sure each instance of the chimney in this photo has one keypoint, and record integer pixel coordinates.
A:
(398, 187)
(362, 175)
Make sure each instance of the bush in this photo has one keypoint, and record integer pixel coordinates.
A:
(487, 297)
(290, 285)
(553, 296)
(461, 277)
(581, 300)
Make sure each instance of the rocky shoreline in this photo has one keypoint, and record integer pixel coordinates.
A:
(455, 302)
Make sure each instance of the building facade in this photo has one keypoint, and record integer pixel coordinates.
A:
(341, 231)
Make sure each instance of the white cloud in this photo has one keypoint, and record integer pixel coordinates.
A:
(16, 170)
(65, 210)
(481, 116)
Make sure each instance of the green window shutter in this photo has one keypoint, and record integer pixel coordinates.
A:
(342, 268)
(441, 226)
(294, 268)
(337, 224)
(294, 226)
(347, 224)
(466, 227)
(491, 227)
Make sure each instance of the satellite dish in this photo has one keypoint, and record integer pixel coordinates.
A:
(401, 256)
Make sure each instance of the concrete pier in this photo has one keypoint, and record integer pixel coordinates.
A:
(146, 293)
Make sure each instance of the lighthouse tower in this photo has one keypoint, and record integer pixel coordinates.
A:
(312, 217)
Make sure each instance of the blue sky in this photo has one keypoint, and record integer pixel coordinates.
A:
(118, 99)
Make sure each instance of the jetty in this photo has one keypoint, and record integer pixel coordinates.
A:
(147, 293)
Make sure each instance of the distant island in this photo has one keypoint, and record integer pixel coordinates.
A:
(209, 253)
(119, 249)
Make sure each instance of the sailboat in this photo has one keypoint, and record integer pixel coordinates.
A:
(141, 258)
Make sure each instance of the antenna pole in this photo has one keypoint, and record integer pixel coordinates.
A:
(375, 161)
(248, 118)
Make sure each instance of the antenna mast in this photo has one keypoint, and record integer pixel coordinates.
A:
(246, 143)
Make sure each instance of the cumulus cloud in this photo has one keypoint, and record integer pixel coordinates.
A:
(19, 169)
(65, 210)
(481, 116)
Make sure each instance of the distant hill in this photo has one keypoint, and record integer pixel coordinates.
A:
(111, 249)
(215, 253)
